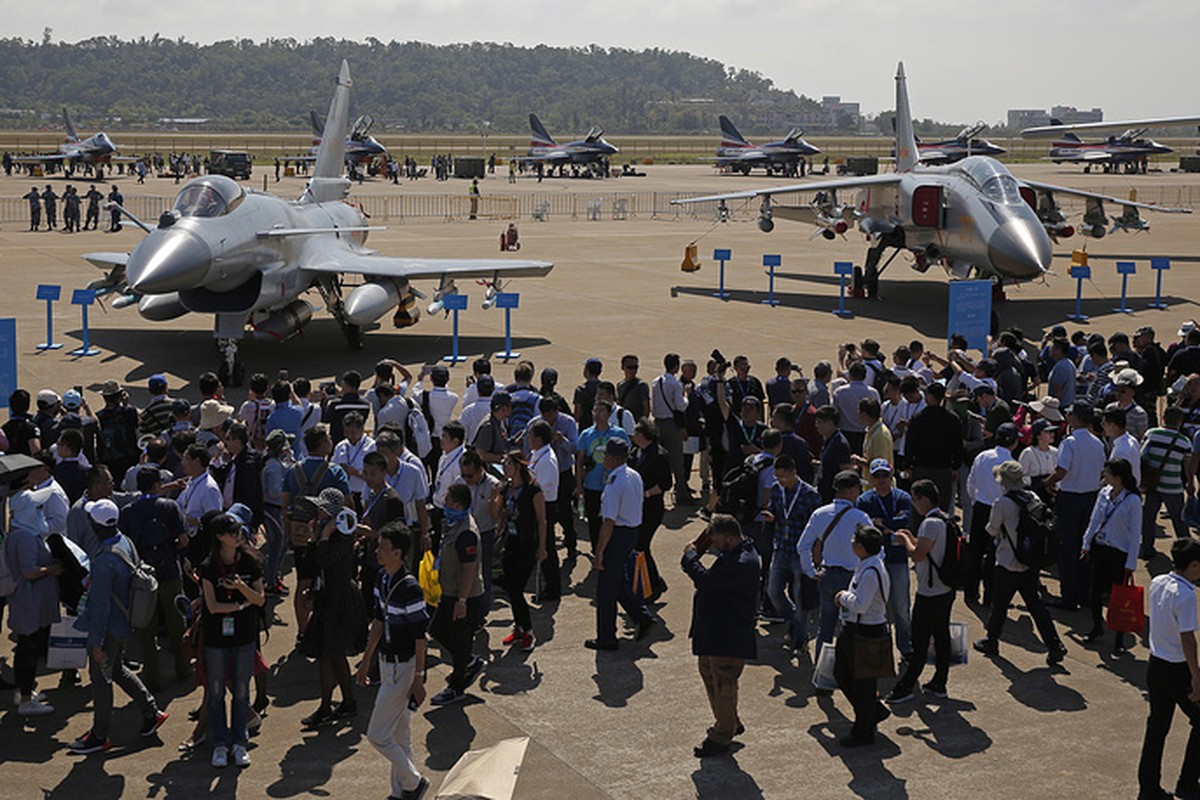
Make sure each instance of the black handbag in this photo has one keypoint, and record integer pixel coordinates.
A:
(873, 656)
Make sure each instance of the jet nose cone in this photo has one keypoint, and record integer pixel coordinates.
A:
(1020, 250)
(168, 261)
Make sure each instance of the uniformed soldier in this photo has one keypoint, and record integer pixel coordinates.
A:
(35, 208)
(116, 199)
(93, 208)
(50, 200)
(71, 209)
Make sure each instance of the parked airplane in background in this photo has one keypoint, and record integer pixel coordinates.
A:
(972, 217)
(741, 156)
(591, 151)
(965, 144)
(361, 147)
(248, 258)
(97, 150)
(1129, 150)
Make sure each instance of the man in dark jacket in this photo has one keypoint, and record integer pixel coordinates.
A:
(934, 443)
(723, 614)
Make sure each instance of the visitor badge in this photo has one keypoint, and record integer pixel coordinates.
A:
(227, 626)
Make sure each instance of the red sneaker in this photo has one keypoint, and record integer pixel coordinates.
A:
(516, 635)
(527, 641)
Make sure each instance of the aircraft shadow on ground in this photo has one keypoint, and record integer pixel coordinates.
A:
(911, 304)
(319, 351)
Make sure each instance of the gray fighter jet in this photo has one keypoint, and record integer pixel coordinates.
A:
(248, 258)
(972, 217)
(96, 149)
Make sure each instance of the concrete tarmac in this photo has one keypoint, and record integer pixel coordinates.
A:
(622, 724)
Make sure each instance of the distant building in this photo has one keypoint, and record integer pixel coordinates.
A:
(1069, 115)
(1019, 118)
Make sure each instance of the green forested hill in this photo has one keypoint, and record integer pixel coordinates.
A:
(407, 86)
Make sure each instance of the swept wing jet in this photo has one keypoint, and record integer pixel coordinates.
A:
(966, 143)
(248, 258)
(971, 217)
(591, 150)
(96, 149)
(741, 156)
(1129, 149)
(360, 146)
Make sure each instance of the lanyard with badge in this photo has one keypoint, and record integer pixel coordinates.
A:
(386, 599)
(1102, 536)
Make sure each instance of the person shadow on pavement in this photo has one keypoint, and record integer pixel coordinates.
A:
(722, 778)
(943, 727)
(870, 777)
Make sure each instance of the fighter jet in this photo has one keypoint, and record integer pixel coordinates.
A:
(97, 149)
(741, 156)
(1129, 150)
(972, 217)
(361, 147)
(248, 258)
(966, 143)
(591, 151)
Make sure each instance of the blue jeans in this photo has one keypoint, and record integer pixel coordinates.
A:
(789, 604)
(830, 583)
(899, 608)
(611, 586)
(232, 666)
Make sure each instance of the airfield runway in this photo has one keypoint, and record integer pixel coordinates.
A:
(622, 724)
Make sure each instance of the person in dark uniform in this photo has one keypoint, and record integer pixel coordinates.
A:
(71, 210)
(35, 208)
(93, 207)
(651, 462)
(50, 201)
(117, 199)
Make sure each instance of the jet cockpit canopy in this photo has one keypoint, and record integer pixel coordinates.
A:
(209, 196)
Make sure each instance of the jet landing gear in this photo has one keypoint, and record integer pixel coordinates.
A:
(871, 268)
(231, 372)
(331, 293)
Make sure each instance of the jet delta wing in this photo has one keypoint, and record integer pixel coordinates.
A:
(248, 258)
(96, 149)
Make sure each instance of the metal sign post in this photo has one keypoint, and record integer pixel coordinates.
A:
(50, 294)
(844, 270)
(84, 298)
(508, 301)
(771, 262)
(722, 256)
(1080, 274)
(1125, 269)
(1159, 265)
(454, 303)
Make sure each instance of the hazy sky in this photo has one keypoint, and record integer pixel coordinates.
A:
(966, 59)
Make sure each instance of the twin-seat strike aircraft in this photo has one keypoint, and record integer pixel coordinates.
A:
(96, 149)
(591, 151)
(972, 217)
(361, 146)
(248, 257)
(1129, 150)
(740, 156)
(967, 143)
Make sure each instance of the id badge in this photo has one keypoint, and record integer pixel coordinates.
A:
(227, 624)
(512, 529)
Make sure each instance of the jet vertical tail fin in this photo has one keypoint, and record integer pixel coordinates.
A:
(730, 133)
(71, 135)
(540, 137)
(317, 125)
(906, 143)
(327, 181)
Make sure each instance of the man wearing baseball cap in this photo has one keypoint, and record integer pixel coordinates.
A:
(108, 629)
(890, 509)
(117, 446)
(157, 415)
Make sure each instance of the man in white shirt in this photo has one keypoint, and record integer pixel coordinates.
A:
(1173, 675)
(544, 467)
(984, 492)
(474, 413)
(449, 470)
(349, 452)
(863, 607)
(667, 402)
(832, 526)
(436, 402)
(1076, 480)
(56, 506)
(201, 494)
(1122, 444)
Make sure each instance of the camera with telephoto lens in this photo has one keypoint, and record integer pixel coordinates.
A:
(722, 363)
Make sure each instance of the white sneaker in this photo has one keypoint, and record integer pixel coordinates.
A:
(240, 756)
(220, 756)
(39, 697)
(34, 708)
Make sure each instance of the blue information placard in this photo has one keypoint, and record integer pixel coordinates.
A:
(83, 297)
(508, 300)
(47, 291)
(772, 261)
(454, 302)
(722, 255)
(971, 312)
(8, 359)
(1126, 268)
(843, 268)
(1160, 263)
(1081, 273)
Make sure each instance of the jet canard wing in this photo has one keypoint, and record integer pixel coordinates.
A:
(370, 264)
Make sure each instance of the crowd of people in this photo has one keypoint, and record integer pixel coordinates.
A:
(849, 506)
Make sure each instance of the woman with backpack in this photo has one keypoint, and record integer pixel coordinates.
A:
(1112, 539)
(232, 582)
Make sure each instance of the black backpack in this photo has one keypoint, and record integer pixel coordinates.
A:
(1036, 545)
(739, 489)
(950, 571)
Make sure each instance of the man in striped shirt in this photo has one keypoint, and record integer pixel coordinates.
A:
(1164, 452)
(399, 620)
